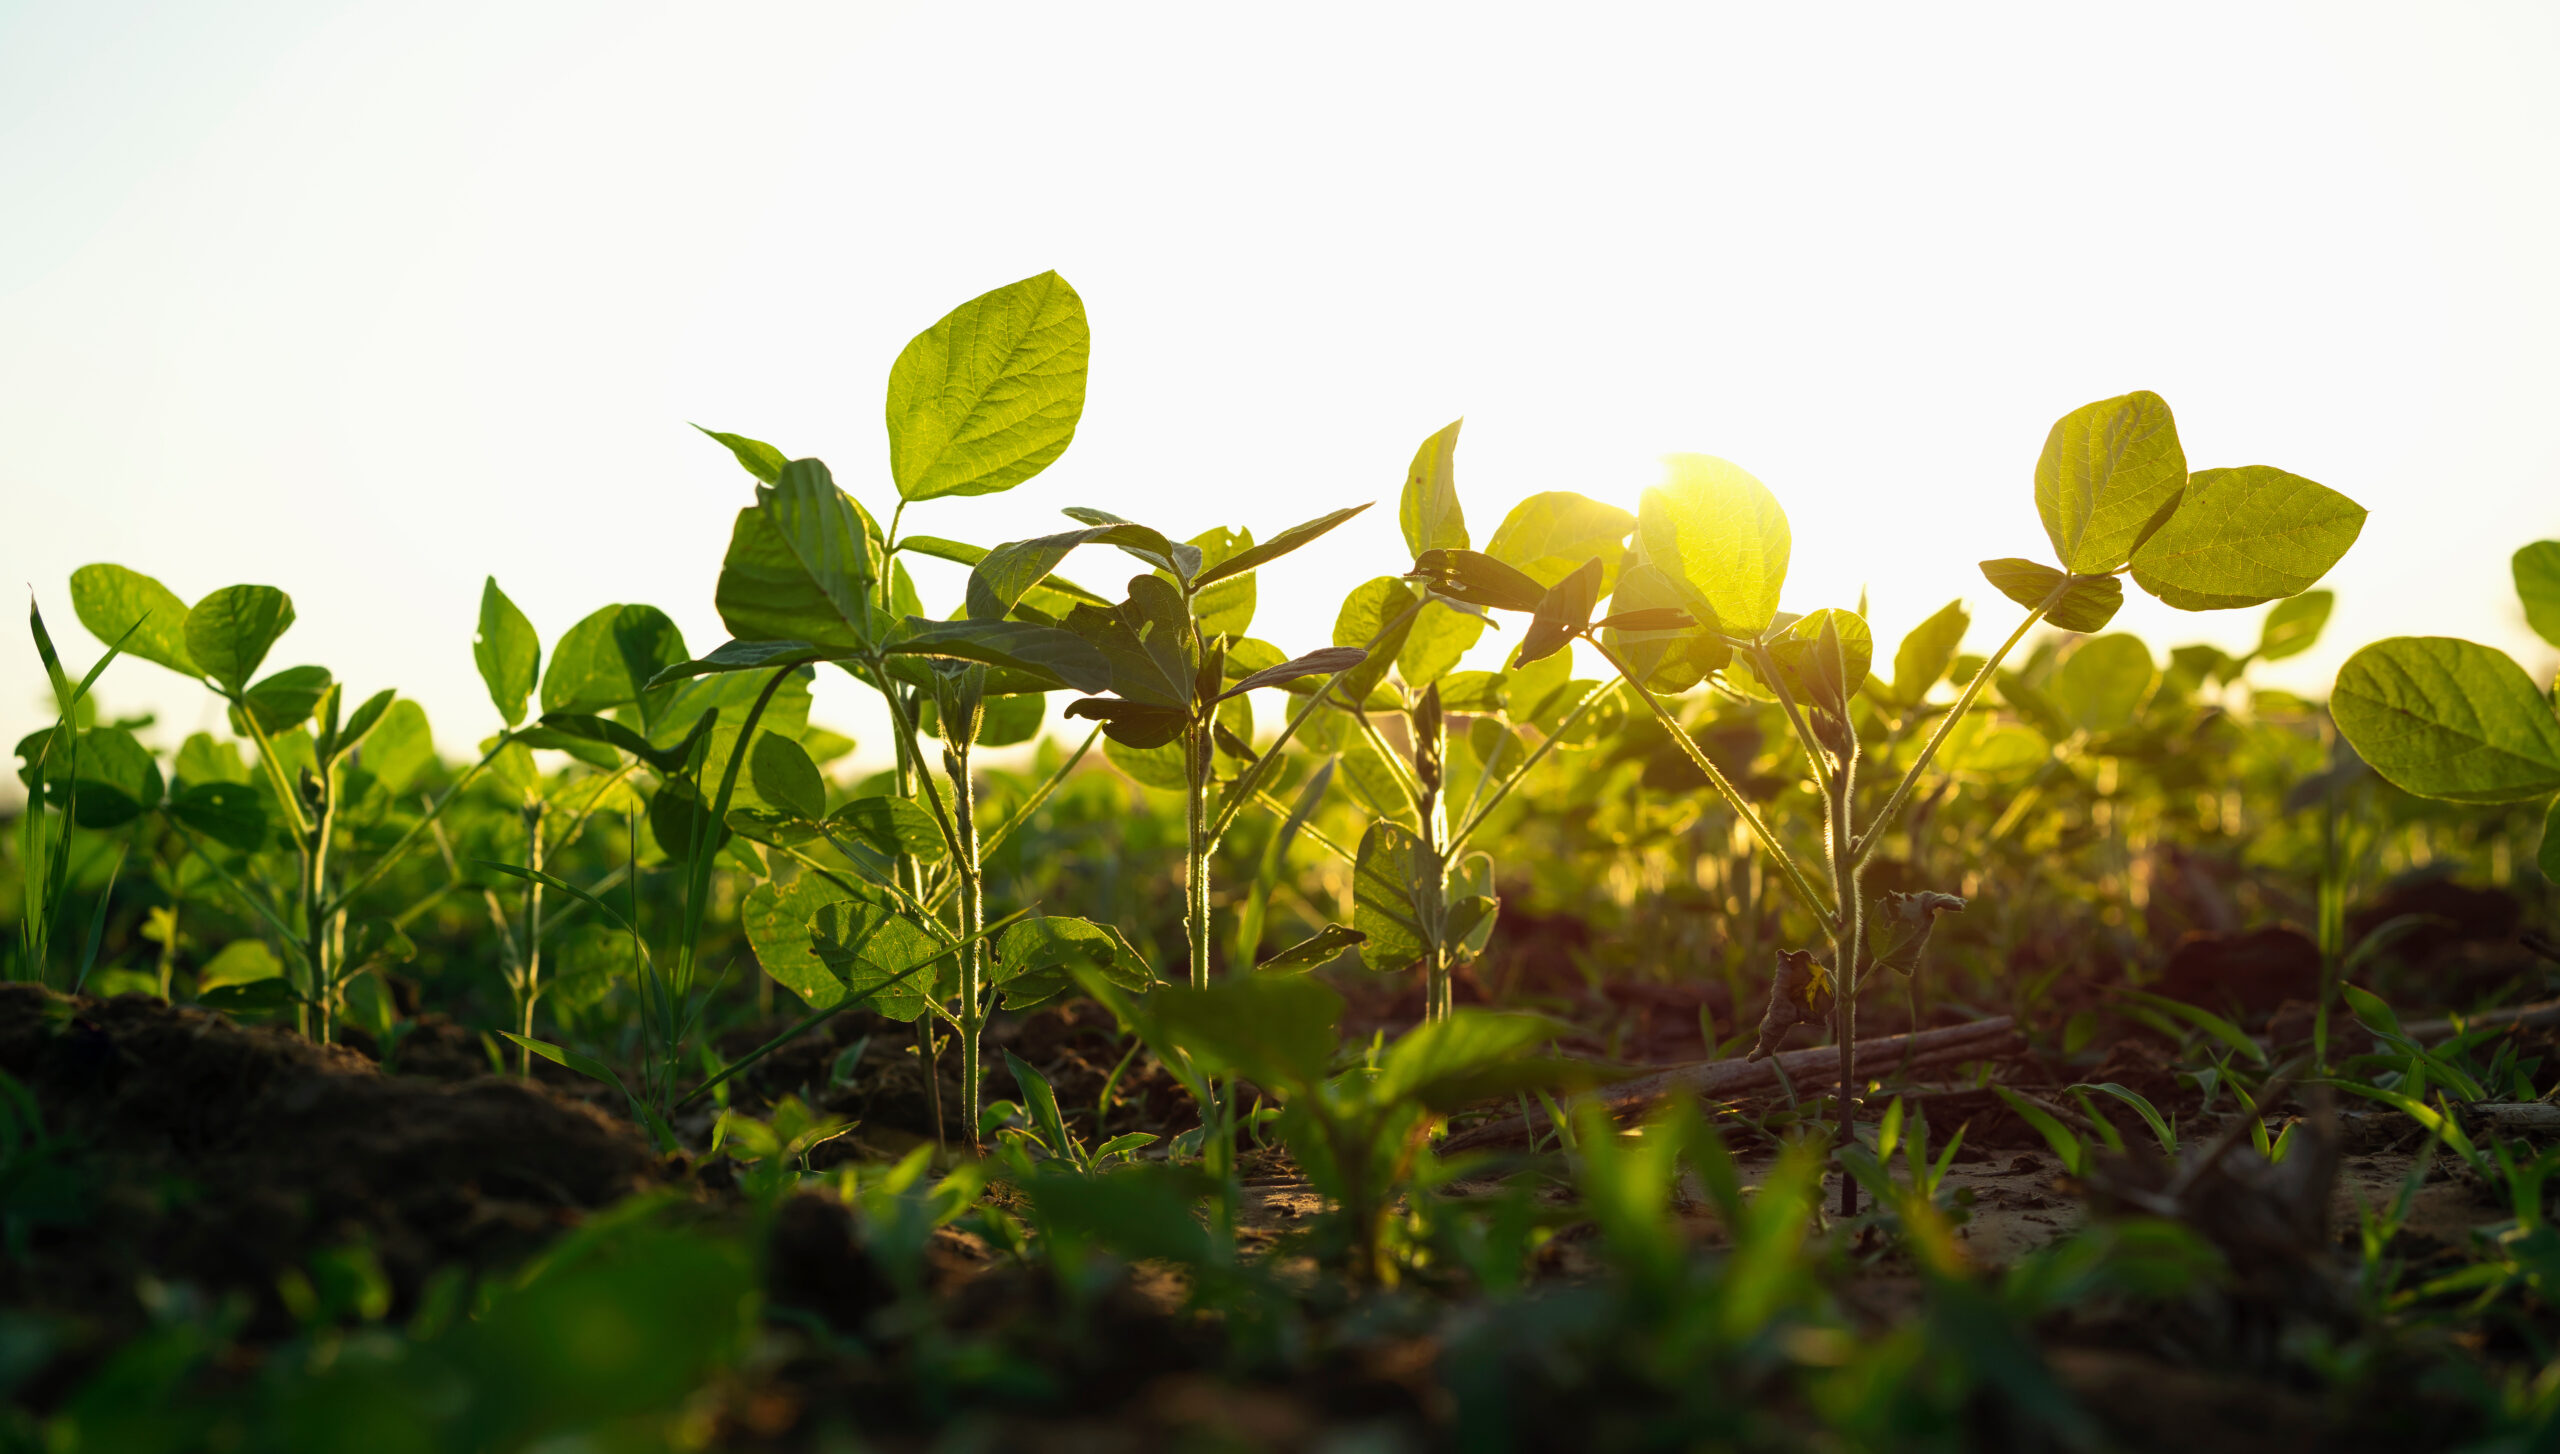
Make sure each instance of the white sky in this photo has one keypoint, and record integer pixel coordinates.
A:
(369, 300)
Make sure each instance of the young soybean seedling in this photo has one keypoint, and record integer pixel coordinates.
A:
(1420, 898)
(1696, 595)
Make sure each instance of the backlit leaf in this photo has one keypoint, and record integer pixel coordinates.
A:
(1257, 556)
(2100, 686)
(2110, 473)
(507, 651)
(785, 777)
(777, 920)
(2241, 537)
(1712, 525)
(1429, 509)
(2537, 573)
(1049, 653)
(761, 459)
(803, 564)
(110, 599)
(2088, 604)
(1391, 876)
(989, 396)
(1313, 952)
(1548, 537)
(1921, 662)
(1036, 959)
(2445, 718)
(230, 631)
(2294, 626)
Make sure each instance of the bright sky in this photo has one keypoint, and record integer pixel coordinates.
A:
(369, 300)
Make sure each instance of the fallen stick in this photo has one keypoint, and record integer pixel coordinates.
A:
(2545, 1013)
(2519, 1116)
(1817, 1066)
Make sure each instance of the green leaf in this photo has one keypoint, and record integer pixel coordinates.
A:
(1478, 580)
(2101, 685)
(1711, 524)
(1035, 960)
(777, 920)
(117, 604)
(2241, 537)
(282, 701)
(989, 396)
(2537, 573)
(1139, 741)
(1226, 608)
(1322, 662)
(1321, 948)
(1008, 719)
(732, 656)
(361, 723)
(1921, 662)
(893, 825)
(1146, 640)
(508, 652)
(1429, 509)
(2088, 605)
(1668, 661)
(1564, 611)
(2109, 476)
(592, 663)
(786, 713)
(586, 1065)
(229, 632)
(1255, 557)
(400, 748)
(231, 814)
(1548, 537)
(679, 821)
(1003, 575)
(579, 726)
(761, 459)
(1825, 657)
(785, 777)
(1436, 640)
(2294, 626)
(242, 961)
(1276, 1030)
(1049, 654)
(1985, 748)
(114, 778)
(2452, 719)
(886, 963)
(1054, 593)
(802, 564)
(1443, 1064)
(1389, 880)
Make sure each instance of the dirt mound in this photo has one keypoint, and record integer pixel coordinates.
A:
(189, 1148)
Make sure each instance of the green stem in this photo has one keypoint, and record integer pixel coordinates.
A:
(532, 928)
(408, 840)
(1787, 866)
(1019, 816)
(1249, 782)
(1195, 875)
(1876, 826)
(973, 912)
(1483, 809)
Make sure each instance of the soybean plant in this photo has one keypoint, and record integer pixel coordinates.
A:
(1694, 595)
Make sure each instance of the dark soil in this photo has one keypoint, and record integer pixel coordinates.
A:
(224, 1155)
